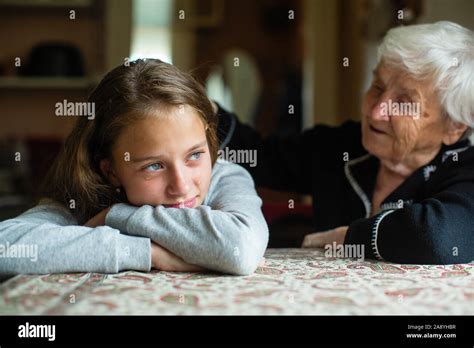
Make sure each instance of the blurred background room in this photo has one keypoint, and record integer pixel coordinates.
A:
(280, 65)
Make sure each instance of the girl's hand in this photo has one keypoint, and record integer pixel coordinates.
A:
(98, 220)
(165, 260)
(320, 239)
(161, 258)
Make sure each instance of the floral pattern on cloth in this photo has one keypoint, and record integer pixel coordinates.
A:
(293, 281)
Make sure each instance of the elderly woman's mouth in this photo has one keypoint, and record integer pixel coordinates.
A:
(376, 130)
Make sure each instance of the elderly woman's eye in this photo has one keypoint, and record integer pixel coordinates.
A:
(404, 99)
(153, 167)
(377, 87)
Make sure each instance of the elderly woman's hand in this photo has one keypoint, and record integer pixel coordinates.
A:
(320, 239)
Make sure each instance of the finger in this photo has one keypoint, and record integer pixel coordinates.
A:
(89, 223)
(195, 268)
(313, 240)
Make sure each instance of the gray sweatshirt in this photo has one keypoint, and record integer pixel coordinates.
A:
(227, 233)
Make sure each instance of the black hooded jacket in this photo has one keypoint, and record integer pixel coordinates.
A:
(428, 219)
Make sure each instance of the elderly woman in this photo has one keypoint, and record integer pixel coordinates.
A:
(401, 182)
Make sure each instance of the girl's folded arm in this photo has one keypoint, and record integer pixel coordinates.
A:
(228, 234)
(46, 239)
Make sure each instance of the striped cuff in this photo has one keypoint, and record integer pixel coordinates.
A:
(375, 232)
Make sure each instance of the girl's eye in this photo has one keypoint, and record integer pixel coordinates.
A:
(154, 167)
(195, 156)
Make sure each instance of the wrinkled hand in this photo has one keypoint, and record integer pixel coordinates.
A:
(320, 239)
(98, 220)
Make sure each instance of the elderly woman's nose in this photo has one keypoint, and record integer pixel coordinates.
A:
(380, 110)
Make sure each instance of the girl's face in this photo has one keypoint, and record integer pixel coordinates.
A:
(163, 160)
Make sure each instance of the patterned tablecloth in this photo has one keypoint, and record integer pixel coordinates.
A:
(294, 281)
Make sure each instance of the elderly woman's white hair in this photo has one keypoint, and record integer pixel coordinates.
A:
(442, 52)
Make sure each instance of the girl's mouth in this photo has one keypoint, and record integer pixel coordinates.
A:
(183, 204)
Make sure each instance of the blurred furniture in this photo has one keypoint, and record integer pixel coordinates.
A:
(23, 166)
(288, 225)
(98, 29)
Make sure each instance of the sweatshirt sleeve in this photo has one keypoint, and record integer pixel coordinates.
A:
(228, 233)
(46, 239)
(437, 230)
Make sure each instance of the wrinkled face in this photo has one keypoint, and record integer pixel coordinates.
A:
(401, 116)
(169, 161)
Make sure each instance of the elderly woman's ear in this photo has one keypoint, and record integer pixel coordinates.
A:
(454, 131)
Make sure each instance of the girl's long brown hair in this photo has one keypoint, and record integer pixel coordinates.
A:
(125, 94)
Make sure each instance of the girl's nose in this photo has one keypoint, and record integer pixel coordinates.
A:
(178, 184)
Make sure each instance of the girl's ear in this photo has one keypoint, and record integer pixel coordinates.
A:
(454, 132)
(108, 171)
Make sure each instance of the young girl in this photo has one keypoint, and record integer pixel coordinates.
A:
(139, 187)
